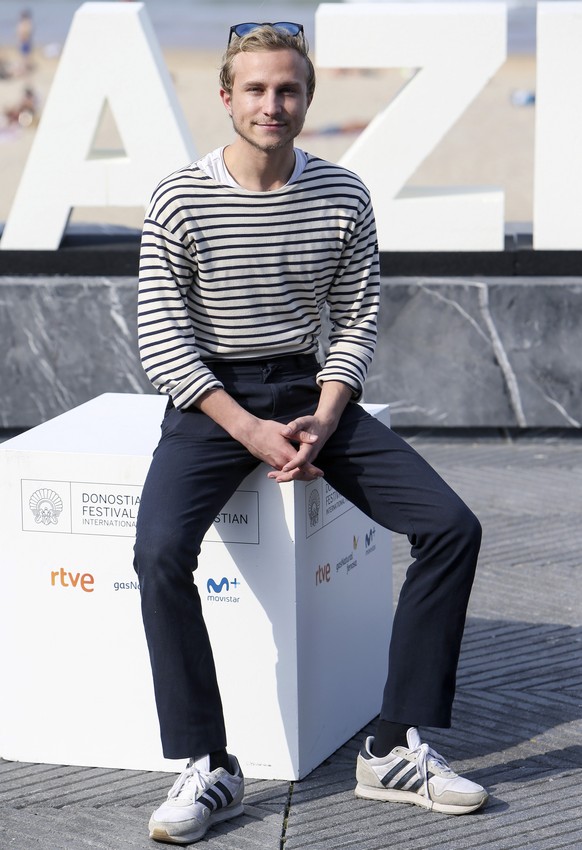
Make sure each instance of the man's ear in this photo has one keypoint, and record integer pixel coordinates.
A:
(225, 97)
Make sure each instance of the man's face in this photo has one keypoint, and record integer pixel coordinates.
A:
(269, 98)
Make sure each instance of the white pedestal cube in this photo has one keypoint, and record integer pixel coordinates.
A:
(295, 582)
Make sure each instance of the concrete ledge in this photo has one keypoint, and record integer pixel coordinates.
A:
(453, 352)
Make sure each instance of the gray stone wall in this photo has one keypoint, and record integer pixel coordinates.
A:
(465, 353)
(497, 352)
(64, 340)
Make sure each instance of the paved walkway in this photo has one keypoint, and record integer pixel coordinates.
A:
(518, 718)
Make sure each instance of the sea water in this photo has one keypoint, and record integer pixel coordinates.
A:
(204, 24)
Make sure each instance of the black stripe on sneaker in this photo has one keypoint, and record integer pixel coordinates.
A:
(219, 802)
(417, 785)
(388, 777)
(209, 803)
(224, 790)
(403, 780)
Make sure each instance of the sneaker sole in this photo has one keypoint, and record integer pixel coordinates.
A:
(388, 795)
(158, 832)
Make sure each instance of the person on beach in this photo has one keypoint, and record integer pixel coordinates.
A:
(24, 35)
(241, 253)
(24, 113)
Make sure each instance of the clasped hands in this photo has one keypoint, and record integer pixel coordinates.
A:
(290, 449)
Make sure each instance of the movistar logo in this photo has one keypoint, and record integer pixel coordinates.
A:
(217, 588)
(369, 540)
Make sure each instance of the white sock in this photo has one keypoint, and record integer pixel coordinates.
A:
(202, 763)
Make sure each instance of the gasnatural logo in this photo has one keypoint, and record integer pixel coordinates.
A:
(46, 506)
(349, 561)
(125, 585)
(215, 590)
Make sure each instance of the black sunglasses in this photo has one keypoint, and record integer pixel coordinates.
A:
(284, 26)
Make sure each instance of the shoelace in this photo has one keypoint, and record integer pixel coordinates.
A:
(189, 784)
(426, 754)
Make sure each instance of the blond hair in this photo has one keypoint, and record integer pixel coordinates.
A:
(265, 38)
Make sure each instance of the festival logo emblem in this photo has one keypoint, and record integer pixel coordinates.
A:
(46, 506)
(313, 507)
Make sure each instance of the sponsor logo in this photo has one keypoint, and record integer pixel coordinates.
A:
(125, 585)
(64, 578)
(323, 574)
(369, 541)
(349, 561)
(221, 591)
(46, 506)
(217, 588)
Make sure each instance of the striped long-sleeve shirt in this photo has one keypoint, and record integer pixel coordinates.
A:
(228, 273)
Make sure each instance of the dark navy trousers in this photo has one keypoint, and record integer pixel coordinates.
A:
(197, 467)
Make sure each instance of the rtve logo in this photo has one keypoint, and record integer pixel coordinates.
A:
(63, 578)
(322, 574)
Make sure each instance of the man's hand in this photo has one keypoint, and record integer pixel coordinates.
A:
(311, 435)
(312, 432)
(265, 439)
(274, 443)
(289, 449)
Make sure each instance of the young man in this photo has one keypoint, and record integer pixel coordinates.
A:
(241, 252)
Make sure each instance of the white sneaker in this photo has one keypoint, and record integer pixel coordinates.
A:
(198, 799)
(417, 775)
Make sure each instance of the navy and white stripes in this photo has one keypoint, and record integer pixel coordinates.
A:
(405, 776)
(227, 273)
(216, 796)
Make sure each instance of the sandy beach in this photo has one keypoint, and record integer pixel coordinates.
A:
(491, 145)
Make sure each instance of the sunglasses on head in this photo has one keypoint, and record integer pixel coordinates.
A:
(284, 26)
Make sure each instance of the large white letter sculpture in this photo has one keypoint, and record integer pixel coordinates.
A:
(457, 48)
(111, 56)
(558, 162)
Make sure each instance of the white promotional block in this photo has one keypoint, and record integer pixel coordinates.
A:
(295, 584)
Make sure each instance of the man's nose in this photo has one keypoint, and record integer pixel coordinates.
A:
(271, 103)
